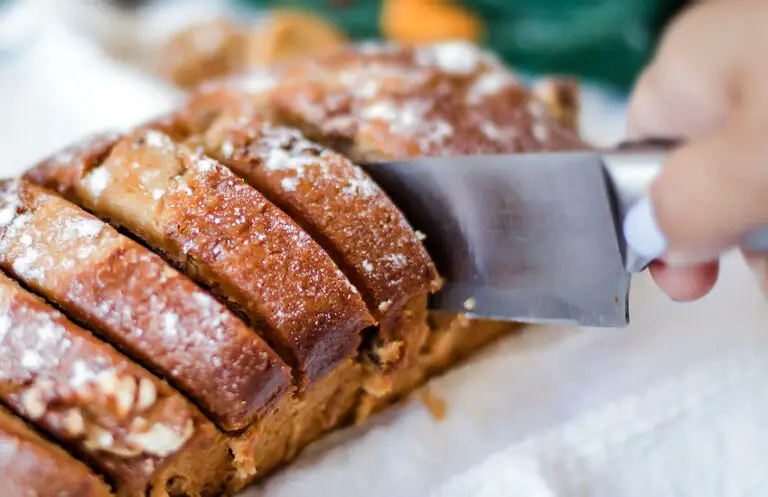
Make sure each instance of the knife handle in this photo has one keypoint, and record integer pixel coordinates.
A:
(631, 167)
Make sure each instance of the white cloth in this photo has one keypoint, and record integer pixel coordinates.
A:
(675, 405)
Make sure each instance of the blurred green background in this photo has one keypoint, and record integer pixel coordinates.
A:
(608, 41)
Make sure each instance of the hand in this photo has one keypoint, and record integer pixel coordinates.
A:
(709, 84)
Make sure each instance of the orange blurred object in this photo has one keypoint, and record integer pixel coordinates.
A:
(425, 21)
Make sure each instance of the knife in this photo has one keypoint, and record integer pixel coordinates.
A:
(531, 237)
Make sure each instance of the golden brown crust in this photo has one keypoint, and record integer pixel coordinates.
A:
(381, 101)
(135, 300)
(350, 216)
(89, 397)
(231, 238)
(31, 465)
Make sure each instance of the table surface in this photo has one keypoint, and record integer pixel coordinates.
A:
(674, 405)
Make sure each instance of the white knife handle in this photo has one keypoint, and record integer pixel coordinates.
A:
(631, 168)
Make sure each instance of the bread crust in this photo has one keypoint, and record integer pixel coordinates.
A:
(135, 300)
(374, 102)
(31, 465)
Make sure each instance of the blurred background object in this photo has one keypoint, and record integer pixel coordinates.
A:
(604, 40)
(17, 25)
(189, 41)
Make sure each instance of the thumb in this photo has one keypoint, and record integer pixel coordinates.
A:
(709, 195)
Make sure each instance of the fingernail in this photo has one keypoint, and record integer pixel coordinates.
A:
(682, 259)
(642, 232)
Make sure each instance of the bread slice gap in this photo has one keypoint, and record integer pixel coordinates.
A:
(107, 410)
(133, 299)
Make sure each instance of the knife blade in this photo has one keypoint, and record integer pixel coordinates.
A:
(532, 237)
(526, 237)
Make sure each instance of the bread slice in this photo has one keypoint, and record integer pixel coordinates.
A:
(136, 301)
(31, 465)
(342, 208)
(144, 437)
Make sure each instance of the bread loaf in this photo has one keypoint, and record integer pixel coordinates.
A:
(250, 190)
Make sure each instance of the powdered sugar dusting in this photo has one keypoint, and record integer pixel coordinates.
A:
(489, 83)
(9, 204)
(397, 260)
(280, 159)
(158, 140)
(81, 374)
(361, 186)
(24, 265)
(5, 326)
(255, 82)
(84, 227)
(170, 324)
(32, 360)
(97, 181)
(409, 118)
(7, 213)
(453, 57)
(289, 184)
(204, 164)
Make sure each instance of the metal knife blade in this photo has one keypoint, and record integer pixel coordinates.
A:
(529, 237)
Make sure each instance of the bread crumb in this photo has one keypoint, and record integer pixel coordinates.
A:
(420, 236)
(434, 404)
(378, 385)
(389, 353)
(384, 306)
(470, 303)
